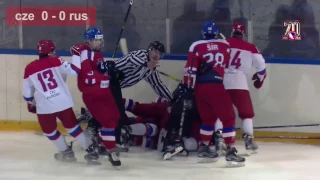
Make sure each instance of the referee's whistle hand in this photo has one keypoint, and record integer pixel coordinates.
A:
(152, 64)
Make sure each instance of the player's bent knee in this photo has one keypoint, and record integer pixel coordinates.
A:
(152, 129)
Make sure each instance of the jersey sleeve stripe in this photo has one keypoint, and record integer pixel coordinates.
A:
(76, 61)
(28, 98)
(75, 68)
(262, 72)
(89, 55)
(74, 49)
(84, 55)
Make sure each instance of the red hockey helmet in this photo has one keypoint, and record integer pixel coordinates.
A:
(45, 47)
(239, 27)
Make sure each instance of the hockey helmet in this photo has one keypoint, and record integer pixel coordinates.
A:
(238, 28)
(156, 45)
(45, 47)
(93, 33)
(209, 30)
(94, 37)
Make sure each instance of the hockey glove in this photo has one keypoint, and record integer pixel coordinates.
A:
(258, 78)
(181, 91)
(113, 71)
(102, 68)
(31, 107)
(203, 68)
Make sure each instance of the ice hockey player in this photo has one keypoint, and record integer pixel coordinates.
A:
(204, 73)
(244, 55)
(151, 125)
(47, 95)
(144, 128)
(93, 82)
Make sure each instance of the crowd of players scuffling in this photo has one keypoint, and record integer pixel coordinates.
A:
(198, 116)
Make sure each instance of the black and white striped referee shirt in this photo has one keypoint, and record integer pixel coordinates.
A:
(134, 67)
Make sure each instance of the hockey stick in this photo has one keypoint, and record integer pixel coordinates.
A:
(122, 28)
(170, 77)
(185, 104)
(115, 83)
(223, 37)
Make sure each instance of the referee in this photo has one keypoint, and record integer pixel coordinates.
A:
(141, 65)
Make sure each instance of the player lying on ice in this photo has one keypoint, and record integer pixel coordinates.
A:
(157, 126)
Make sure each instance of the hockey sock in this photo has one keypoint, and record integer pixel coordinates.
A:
(229, 134)
(247, 126)
(77, 133)
(108, 138)
(141, 129)
(147, 141)
(58, 140)
(128, 104)
(206, 134)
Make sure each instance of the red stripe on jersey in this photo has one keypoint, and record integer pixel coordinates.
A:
(40, 65)
(243, 45)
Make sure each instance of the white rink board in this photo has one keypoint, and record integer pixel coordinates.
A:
(290, 95)
(28, 156)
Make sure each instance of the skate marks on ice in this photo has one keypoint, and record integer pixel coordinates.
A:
(28, 156)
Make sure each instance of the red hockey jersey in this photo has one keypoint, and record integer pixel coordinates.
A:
(206, 62)
(90, 80)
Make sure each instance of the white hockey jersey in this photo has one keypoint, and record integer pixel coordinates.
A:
(243, 57)
(45, 85)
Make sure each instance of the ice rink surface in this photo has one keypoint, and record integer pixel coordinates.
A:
(30, 157)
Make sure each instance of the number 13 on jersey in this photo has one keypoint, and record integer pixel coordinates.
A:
(47, 80)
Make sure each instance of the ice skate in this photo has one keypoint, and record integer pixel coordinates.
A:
(92, 157)
(114, 158)
(65, 156)
(85, 116)
(173, 150)
(206, 154)
(233, 160)
(102, 150)
(218, 142)
(125, 136)
(251, 147)
(98, 146)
